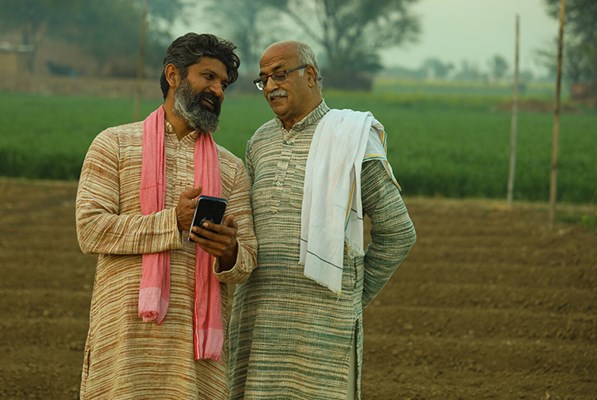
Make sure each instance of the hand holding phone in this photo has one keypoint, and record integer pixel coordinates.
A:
(220, 239)
(209, 209)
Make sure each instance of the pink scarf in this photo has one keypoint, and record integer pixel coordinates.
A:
(154, 293)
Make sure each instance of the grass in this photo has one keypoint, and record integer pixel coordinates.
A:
(452, 143)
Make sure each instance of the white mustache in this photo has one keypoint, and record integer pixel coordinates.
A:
(278, 93)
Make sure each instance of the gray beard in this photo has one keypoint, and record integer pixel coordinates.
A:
(196, 116)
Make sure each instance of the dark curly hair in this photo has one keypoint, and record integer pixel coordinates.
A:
(190, 48)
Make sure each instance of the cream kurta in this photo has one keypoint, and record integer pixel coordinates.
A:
(291, 338)
(126, 358)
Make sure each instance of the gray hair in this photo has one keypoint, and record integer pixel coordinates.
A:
(307, 56)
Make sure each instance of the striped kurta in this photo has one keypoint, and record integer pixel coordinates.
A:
(291, 338)
(126, 358)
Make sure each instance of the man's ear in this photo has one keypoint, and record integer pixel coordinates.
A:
(311, 75)
(172, 75)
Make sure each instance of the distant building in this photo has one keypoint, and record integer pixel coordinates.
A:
(13, 58)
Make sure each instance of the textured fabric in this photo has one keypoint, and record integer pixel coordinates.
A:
(124, 357)
(208, 333)
(290, 337)
(154, 293)
(331, 208)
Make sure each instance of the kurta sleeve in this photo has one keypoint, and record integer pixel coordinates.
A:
(392, 231)
(239, 206)
(249, 162)
(102, 227)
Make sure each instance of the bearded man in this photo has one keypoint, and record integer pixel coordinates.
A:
(159, 309)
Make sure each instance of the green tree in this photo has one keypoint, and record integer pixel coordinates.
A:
(250, 25)
(352, 33)
(435, 68)
(109, 30)
(498, 66)
(468, 71)
(580, 40)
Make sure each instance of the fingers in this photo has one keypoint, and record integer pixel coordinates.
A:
(215, 248)
(216, 232)
(186, 207)
(229, 221)
(217, 239)
(193, 192)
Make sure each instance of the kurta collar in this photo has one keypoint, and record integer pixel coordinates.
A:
(311, 118)
(170, 131)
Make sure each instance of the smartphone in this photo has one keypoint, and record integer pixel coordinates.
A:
(209, 209)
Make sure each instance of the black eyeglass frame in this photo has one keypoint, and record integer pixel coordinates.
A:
(261, 82)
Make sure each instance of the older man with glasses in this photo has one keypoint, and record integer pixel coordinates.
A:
(296, 329)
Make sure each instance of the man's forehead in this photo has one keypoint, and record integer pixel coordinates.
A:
(277, 59)
(212, 64)
(210, 61)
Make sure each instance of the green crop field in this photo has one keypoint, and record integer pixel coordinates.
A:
(445, 140)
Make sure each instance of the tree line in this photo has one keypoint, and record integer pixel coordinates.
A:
(496, 69)
(580, 40)
(349, 35)
(109, 31)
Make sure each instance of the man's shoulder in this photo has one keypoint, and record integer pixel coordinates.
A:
(227, 157)
(265, 131)
(267, 128)
(130, 129)
(116, 136)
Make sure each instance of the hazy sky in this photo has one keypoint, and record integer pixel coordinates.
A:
(472, 30)
(475, 30)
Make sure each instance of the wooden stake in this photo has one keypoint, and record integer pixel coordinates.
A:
(514, 124)
(553, 189)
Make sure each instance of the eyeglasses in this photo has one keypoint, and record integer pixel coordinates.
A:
(278, 76)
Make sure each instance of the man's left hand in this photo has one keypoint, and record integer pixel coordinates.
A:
(219, 240)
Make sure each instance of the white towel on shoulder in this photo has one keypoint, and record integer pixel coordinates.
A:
(332, 210)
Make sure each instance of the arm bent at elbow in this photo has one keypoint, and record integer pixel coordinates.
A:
(392, 231)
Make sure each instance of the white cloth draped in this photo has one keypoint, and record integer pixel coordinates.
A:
(331, 209)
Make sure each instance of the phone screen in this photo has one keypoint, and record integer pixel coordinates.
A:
(209, 209)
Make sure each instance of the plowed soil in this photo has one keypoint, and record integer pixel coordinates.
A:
(491, 303)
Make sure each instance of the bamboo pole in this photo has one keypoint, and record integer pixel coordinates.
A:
(553, 188)
(514, 124)
(140, 63)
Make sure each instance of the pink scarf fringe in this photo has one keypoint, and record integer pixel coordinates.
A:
(154, 292)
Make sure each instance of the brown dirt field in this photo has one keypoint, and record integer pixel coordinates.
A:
(491, 304)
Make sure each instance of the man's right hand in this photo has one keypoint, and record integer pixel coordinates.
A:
(185, 209)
